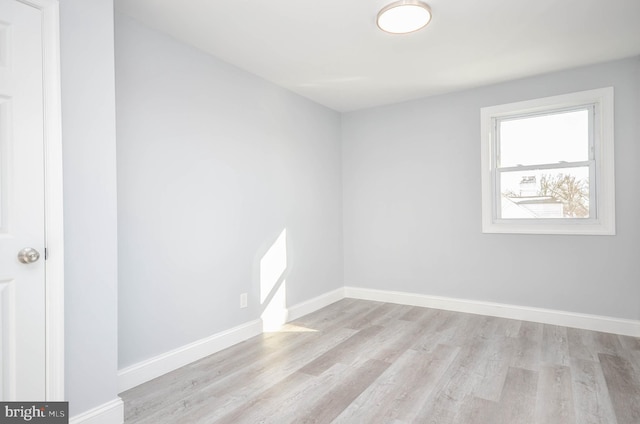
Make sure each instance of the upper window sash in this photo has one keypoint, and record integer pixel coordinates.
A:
(496, 134)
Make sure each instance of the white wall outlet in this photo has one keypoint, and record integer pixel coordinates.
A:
(243, 300)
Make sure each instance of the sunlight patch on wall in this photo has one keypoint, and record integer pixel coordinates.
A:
(273, 287)
(275, 313)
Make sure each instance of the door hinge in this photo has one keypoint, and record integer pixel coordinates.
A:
(46, 253)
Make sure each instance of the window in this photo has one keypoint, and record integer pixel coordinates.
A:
(547, 165)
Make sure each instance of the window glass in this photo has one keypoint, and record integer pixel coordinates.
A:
(545, 193)
(552, 138)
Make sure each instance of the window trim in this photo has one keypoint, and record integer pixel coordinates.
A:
(603, 185)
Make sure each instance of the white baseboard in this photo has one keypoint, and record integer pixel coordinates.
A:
(109, 413)
(144, 371)
(312, 305)
(546, 316)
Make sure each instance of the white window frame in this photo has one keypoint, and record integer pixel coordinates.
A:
(602, 181)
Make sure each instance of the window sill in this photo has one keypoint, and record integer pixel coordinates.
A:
(573, 227)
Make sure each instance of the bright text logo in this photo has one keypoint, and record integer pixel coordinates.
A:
(34, 412)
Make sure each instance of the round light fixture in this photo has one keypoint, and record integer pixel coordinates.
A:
(404, 16)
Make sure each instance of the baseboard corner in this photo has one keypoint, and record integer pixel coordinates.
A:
(317, 303)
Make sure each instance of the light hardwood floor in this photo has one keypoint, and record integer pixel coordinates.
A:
(369, 362)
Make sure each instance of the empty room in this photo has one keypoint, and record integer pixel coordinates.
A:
(321, 212)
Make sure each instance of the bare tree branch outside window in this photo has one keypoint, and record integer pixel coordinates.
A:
(573, 193)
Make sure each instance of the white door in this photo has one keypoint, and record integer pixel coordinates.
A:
(22, 284)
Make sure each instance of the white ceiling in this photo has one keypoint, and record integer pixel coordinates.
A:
(332, 52)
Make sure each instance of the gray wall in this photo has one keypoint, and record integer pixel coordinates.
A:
(213, 163)
(89, 154)
(412, 205)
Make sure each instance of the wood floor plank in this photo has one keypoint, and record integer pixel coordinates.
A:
(608, 343)
(508, 327)
(517, 405)
(528, 346)
(555, 345)
(398, 343)
(493, 367)
(463, 378)
(402, 389)
(270, 405)
(437, 330)
(554, 401)
(591, 396)
(336, 315)
(630, 343)
(581, 344)
(384, 343)
(479, 411)
(371, 362)
(378, 316)
(416, 313)
(345, 351)
(624, 388)
(630, 350)
(341, 394)
(476, 326)
(403, 338)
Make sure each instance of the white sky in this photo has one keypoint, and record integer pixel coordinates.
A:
(545, 139)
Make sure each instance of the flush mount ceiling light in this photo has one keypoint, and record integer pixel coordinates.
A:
(404, 16)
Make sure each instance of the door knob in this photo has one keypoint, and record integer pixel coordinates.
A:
(28, 255)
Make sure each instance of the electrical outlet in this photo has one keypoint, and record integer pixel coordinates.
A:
(243, 300)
